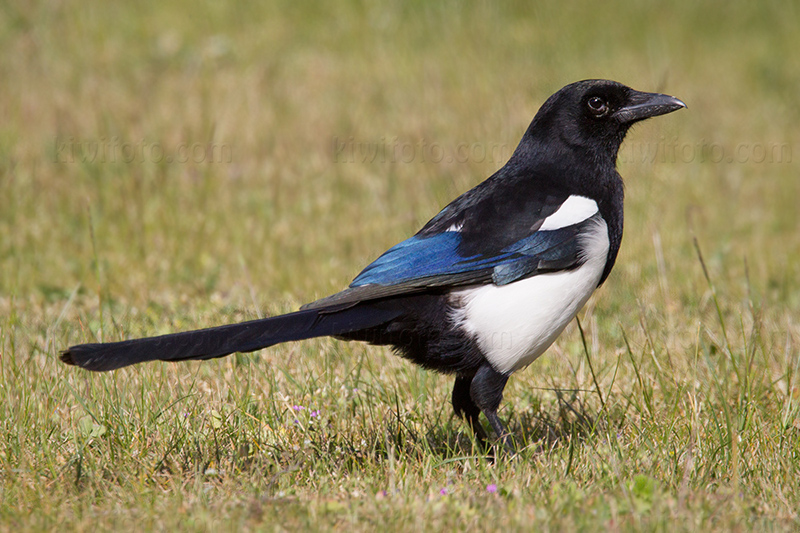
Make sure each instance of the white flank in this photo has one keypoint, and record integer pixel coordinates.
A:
(574, 210)
(515, 323)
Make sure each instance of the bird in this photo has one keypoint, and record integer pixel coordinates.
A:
(484, 287)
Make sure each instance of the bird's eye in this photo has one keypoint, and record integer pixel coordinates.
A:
(597, 106)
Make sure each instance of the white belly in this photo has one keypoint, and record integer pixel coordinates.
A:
(515, 323)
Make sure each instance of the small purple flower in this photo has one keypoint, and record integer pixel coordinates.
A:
(298, 407)
(315, 413)
(491, 488)
(443, 492)
(296, 421)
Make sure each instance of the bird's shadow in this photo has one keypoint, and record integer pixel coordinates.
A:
(533, 431)
(546, 428)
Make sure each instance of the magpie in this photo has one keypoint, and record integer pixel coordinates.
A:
(487, 285)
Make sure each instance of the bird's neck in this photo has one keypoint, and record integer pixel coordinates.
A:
(576, 168)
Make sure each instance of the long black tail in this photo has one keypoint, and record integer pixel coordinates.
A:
(225, 340)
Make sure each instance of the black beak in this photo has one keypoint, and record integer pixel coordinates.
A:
(645, 105)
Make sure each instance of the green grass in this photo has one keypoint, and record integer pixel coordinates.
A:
(691, 420)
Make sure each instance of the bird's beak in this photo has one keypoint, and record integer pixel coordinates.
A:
(646, 105)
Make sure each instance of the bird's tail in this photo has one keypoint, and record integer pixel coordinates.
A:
(225, 340)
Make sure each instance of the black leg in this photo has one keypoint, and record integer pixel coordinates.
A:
(486, 392)
(466, 408)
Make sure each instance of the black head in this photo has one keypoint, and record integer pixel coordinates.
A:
(595, 115)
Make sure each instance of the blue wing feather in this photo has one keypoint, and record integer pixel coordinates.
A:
(413, 258)
(437, 256)
(434, 261)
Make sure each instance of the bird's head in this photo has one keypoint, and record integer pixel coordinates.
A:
(595, 115)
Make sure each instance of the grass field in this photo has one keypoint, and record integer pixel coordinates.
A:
(173, 165)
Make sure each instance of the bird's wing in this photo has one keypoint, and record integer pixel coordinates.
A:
(430, 262)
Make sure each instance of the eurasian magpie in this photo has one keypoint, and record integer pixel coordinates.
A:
(486, 285)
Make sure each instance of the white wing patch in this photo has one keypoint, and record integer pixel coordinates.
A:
(515, 323)
(574, 210)
(455, 227)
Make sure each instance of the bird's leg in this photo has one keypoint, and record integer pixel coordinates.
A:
(466, 408)
(486, 392)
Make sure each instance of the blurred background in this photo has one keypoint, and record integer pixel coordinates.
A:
(174, 164)
(296, 142)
